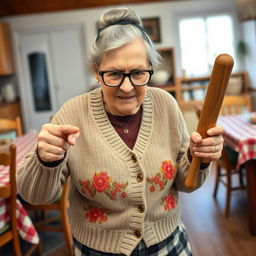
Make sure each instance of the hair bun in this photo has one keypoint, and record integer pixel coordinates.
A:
(116, 15)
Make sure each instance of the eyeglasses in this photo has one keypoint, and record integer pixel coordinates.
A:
(115, 78)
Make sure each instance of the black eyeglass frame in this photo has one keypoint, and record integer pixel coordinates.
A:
(101, 73)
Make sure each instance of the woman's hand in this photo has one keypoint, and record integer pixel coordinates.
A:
(210, 148)
(55, 140)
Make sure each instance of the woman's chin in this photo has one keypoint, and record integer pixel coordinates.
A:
(128, 111)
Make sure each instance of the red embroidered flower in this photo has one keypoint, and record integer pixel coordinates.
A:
(96, 214)
(113, 194)
(152, 188)
(162, 185)
(168, 169)
(161, 178)
(86, 187)
(169, 202)
(156, 179)
(101, 181)
(123, 195)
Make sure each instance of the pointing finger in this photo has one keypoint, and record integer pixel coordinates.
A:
(72, 138)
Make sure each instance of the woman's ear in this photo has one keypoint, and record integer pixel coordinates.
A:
(94, 71)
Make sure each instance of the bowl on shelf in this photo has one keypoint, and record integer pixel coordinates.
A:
(160, 77)
(234, 86)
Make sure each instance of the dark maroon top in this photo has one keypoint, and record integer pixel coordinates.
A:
(132, 123)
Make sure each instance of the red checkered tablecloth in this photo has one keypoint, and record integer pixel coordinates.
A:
(25, 226)
(240, 135)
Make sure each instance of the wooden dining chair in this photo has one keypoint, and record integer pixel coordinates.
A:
(44, 222)
(10, 232)
(235, 104)
(226, 165)
(7, 125)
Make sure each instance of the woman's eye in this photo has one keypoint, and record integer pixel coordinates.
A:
(138, 73)
(114, 74)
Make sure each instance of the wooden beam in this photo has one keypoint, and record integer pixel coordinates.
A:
(19, 7)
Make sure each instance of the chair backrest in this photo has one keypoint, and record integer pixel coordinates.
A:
(11, 125)
(8, 158)
(235, 104)
(232, 104)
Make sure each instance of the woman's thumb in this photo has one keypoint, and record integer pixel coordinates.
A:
(72, 138)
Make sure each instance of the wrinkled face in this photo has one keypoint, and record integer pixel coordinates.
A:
(125, 99)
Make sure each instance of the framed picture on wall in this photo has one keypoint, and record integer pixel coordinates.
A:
(152, 27)
(246, 9)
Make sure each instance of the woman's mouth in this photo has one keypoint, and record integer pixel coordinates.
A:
(125, 97)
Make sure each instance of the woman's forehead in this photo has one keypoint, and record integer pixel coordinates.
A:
(132, 54)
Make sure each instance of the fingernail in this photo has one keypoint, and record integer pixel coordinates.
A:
(197, 138)
(210, 132)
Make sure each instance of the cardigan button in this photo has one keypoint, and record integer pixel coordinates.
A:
(134, 158)
(139, 177)
(141, 208)
(137, 233)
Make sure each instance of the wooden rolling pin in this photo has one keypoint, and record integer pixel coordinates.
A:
(212, 103)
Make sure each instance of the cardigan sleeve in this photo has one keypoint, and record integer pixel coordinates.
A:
(38, 184)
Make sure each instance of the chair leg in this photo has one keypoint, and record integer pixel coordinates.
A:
(228, 186)
(67, 232)
(38, 250)
(217, 179)
(241, 180)
(16, 243)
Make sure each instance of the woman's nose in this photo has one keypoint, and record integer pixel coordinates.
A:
(126, 85)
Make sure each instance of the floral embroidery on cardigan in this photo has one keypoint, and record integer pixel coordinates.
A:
(161, 178)
(95, 214)
(101, 182)
(169, 202)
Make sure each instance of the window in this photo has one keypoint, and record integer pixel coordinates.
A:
(202, 39)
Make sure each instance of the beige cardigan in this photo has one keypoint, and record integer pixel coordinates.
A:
(118, 196)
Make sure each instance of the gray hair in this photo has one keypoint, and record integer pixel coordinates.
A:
(117, 27)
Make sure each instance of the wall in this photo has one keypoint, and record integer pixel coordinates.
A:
(169, 13)
(249, 29)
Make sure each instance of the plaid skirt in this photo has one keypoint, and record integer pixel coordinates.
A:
(175, 245)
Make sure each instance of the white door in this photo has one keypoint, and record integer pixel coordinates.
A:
(68, 63)
(30, 46)
(62, 50)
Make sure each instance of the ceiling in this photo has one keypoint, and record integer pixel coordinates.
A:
(19, 7)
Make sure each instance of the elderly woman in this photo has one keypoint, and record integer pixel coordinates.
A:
(125, 148)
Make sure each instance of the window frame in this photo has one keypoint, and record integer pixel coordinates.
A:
(236, 26)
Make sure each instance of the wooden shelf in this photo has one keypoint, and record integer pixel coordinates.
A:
(194, 79)
(166, 87)
(199, 85)
(194, 88)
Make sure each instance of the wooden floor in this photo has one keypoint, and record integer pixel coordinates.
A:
(209, 232)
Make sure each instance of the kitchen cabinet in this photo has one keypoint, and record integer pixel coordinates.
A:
(6, 57)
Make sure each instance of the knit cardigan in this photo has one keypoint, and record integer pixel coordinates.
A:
(118, 195)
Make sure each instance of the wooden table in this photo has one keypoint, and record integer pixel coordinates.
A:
(24, 144)
(240, 135)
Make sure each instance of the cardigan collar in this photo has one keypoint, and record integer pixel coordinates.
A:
(108, 131)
